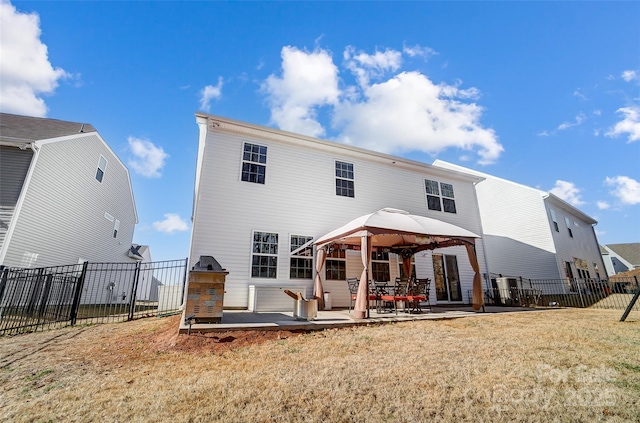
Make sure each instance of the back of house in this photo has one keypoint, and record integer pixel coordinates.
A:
(262, 196)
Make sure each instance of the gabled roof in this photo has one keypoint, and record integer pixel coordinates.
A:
(546, 195)
(629, 251)
(27, 128)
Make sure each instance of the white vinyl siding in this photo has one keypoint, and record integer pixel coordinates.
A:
(14, 165)
(522, 235)
(64, 207)
(227, 210)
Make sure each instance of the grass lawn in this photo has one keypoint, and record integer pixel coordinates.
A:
(561, 365)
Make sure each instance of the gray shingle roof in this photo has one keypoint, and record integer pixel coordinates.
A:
(27, 128)
(630, 252)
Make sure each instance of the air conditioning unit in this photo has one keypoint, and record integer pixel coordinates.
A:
(507, 286)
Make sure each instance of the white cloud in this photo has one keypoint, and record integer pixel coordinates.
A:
(579, 119)
(629, 125)
(171, 223)
(399, 113)
(309, 80)
(410, 113)
(630, 75)
(148, 159)
(417, 50)
(578, 94)
(603, 205)
(25, 70)
(568, 192)
(544, 133)
(210, 92)
(626, 189)
(369, 66)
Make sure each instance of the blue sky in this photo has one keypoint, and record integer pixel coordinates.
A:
(546, 94)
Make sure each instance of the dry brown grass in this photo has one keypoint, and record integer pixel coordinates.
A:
(563, 365)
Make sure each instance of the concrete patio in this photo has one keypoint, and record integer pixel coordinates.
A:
(246, 320)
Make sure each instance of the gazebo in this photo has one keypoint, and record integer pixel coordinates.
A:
(398, 232)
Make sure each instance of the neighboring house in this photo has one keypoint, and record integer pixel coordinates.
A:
(532, 233)
(620, 258)
(65, 197)
(262, 196)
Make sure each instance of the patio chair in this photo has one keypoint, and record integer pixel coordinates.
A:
(353, 291)
(419, 293)
(400, 290)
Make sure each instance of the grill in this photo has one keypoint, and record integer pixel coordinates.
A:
(205, 292)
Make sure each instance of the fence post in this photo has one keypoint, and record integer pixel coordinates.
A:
(633, 301)
(580, 292)
(76, 296)
(44, 302)
(3, 285)
(134, 289)
(184, 279)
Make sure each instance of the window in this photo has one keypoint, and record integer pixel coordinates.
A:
(440, 196)
(336, 266)
(102, 167)
(554, 220)
(264, 259)
(401, 267)
(254, 159)
(568, 222)
(344, 179)
(301, 263)
(116, 226)
(380, 266)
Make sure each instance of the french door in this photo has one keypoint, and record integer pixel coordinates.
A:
(446, 278)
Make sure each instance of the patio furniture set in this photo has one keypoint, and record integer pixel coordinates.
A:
(411, 292)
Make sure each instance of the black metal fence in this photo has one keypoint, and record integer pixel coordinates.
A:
(615, 293)
(32, 299)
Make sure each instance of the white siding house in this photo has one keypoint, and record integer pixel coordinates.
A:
(65, 196)
(262, 196)
(533, 233)
(619, 258)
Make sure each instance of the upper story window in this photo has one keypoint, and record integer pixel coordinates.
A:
(116, 228)
(102, 168)
(345, 179)
(440, 196)
(254, 160)
(264, 257)
(568, 222)
(554, 220)
(301, 262)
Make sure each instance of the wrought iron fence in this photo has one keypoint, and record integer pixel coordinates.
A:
(616, 293)
(32, 299)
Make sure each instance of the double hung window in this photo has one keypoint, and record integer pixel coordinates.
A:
(554, 219)
(254, 160)
(567, 221)
(264, 258)
(440, 196)
(336, 266)
(345, 179)
(102, 168)
(301, 261)
(380, 266)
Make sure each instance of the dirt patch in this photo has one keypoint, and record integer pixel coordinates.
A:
(167, 339)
